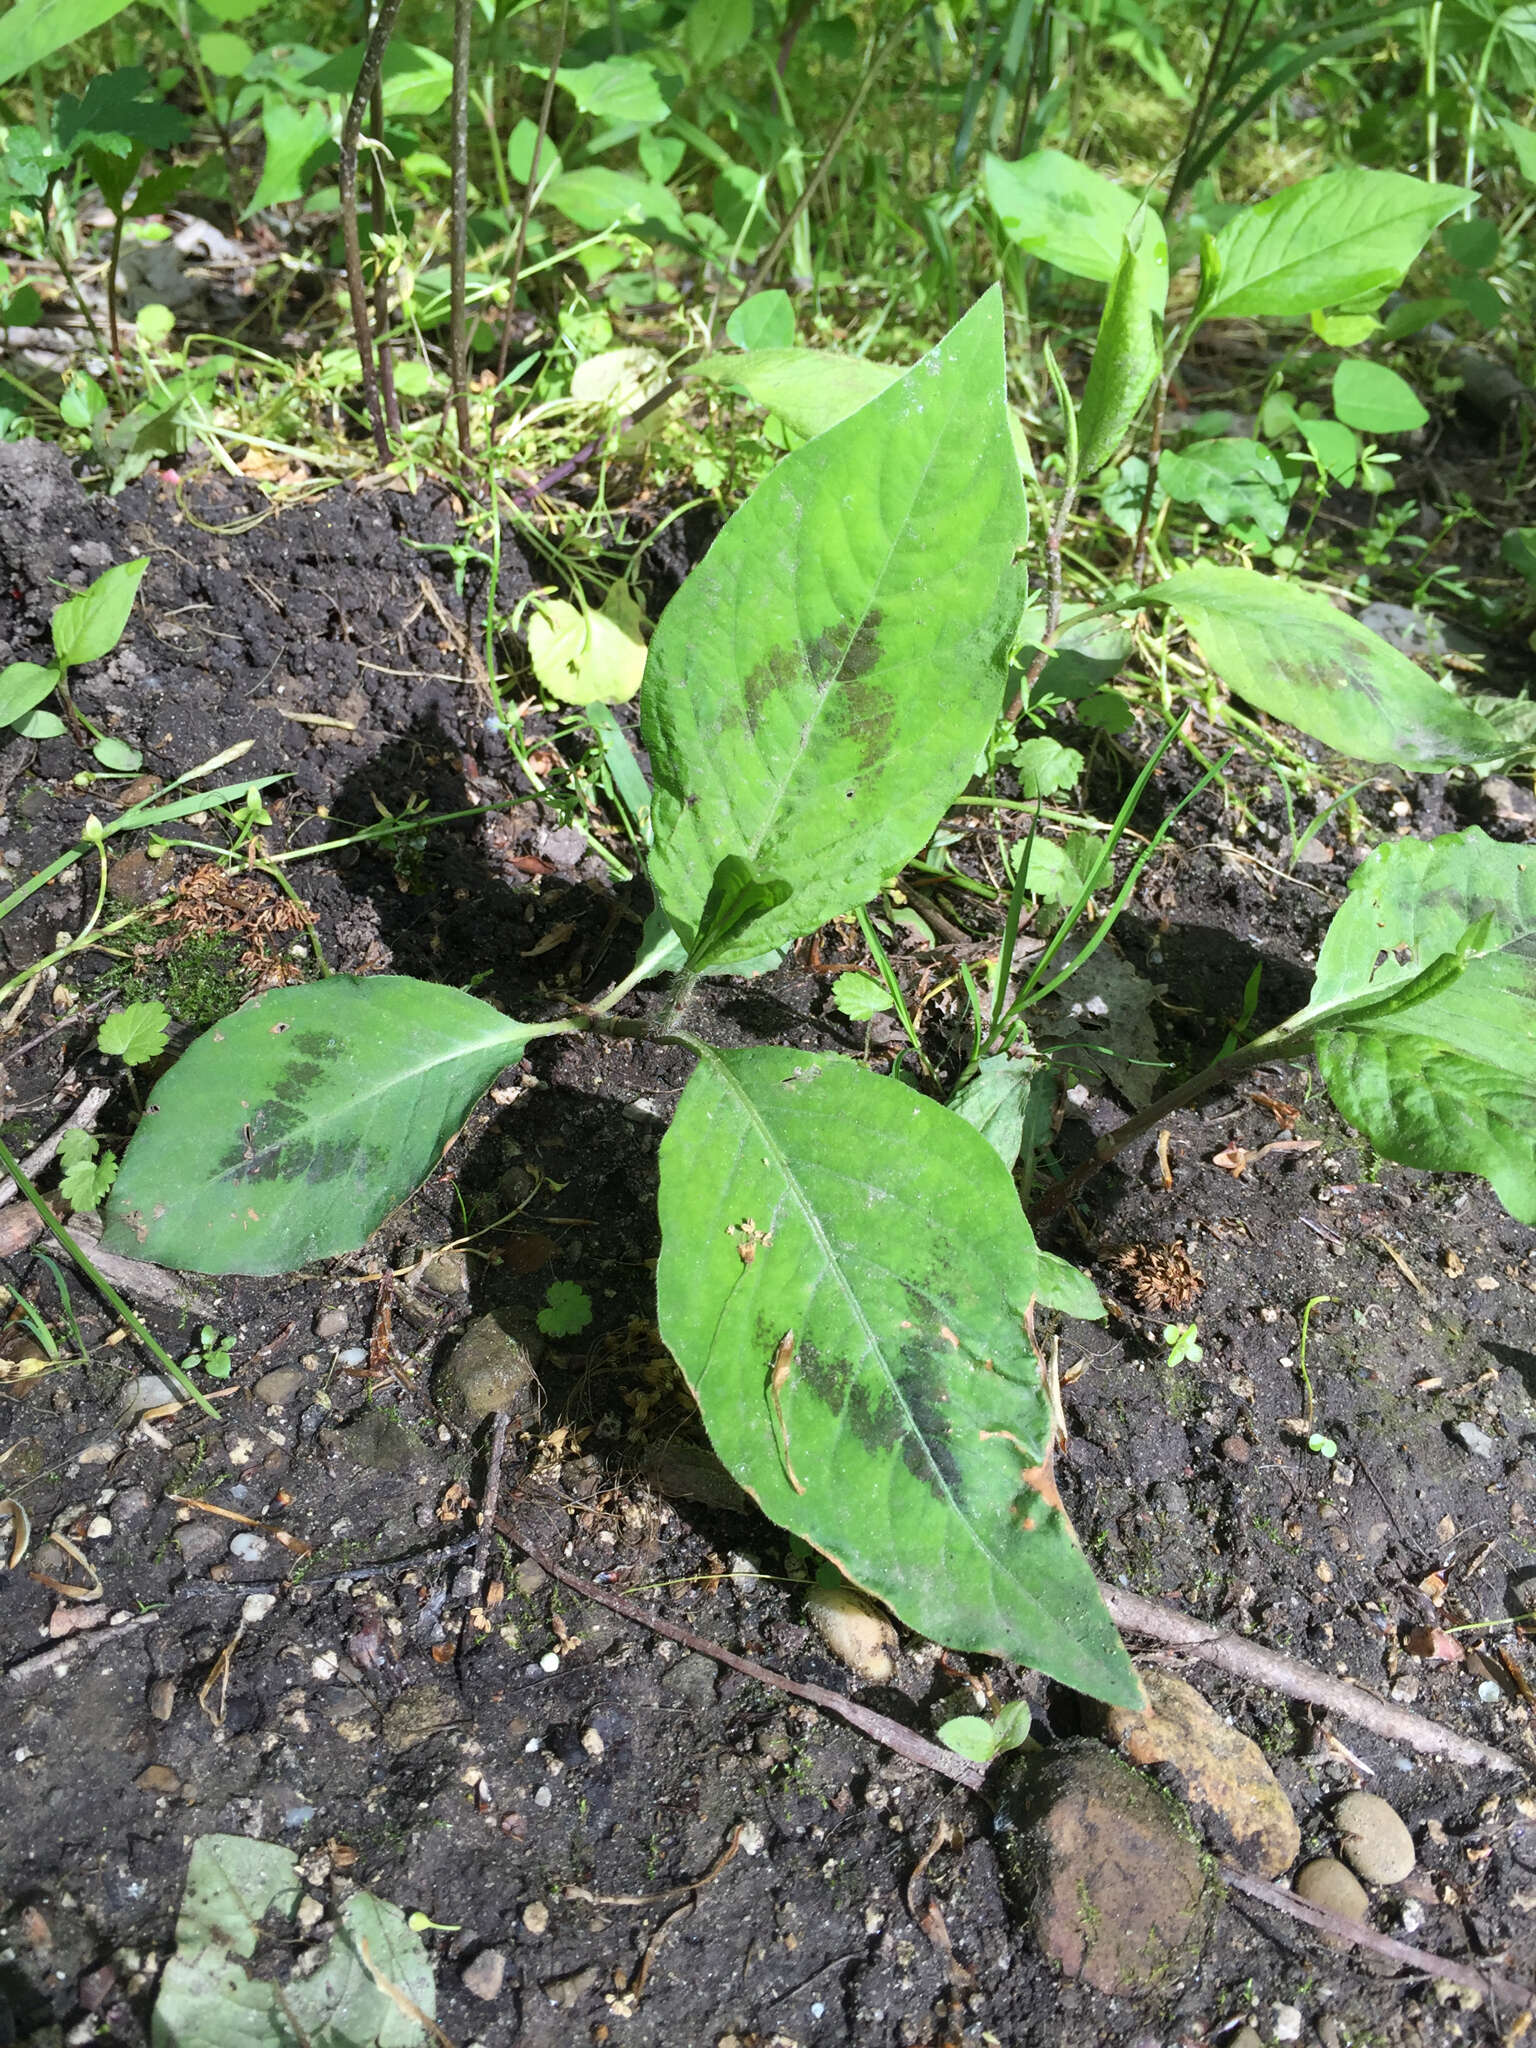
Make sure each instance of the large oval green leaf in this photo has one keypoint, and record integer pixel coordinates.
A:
(822, 684)
(1325, 241)
(903, 1432)
(1447, 1081)
(1053, 206)
(288, 1132)
(1289, 651)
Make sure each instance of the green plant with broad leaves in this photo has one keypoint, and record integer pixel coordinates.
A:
(847, 1277)
(84, 628)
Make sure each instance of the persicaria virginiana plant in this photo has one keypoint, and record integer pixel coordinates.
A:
(847, 1278)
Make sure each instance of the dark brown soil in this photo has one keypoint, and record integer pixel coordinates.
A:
(569, 1754)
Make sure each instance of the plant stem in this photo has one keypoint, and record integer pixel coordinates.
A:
(380, 274)
(678, 998)
(1283, 1043)
(103, 1286)
(357, 294)
(545, 106)
(458, 227)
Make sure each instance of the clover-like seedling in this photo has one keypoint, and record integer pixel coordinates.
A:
(136, 1034)
(567, 1309)
(970, 1735)
(1183, 1341)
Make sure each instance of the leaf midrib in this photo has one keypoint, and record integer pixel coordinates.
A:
(833, 1264)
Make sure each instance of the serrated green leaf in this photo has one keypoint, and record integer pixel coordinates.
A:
(827, 676)
(24, 685)
(1053, 206)
(89, 626)
(1375, 399)
(1044, 767)
(1325, 241)
(119, 112)
(567, 1310)
(289, 1131)
(810, 389)
(135, 1034)
(86, 1183)
(1290, 652)
(902, 1431)
(1128, 352)
(1445, 1077)
(76, 1145)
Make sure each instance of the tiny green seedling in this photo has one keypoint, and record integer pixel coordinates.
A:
(969, 1735)
(85, 628)
(88, 1171)
(215, 1354)
(567, 1309)
(136, 1034)
(1183, 1341)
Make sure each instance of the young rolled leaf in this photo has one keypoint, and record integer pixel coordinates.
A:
(825, 679)
(1446, 1081)
(736, 899)
(844, 1272)
(1053, 206)
(288, 1132)
(1287, 650)
(1324, 242)
(1128, 352)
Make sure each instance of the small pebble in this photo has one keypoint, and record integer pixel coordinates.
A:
(248, 1546)
(100, 1452)
(274, 1388)
(1325, 1882)
(1373, 1840)
(751, 1841)
(98, 1527)
(158, 1778)
(354, 1354)
(162, 1698)
(528, 1577)
(550, 1661)
(256, 1607)
(310, 1913)
(1285, 2023)
(544, 1798)
(536, 1917)
(1236, 1450)
(330, 1324)
(484, 1977)
(854, 1630)
(448, 1273)
(592, 1743)
(1476, 1440)
(147, 1391)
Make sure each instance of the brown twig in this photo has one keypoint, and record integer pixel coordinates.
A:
(1490, 1983)
(458, 226)
(487, 1525)
(880, 1728)
(1298, 1681)
(545, 107)
(43, 1662)
(357, 293)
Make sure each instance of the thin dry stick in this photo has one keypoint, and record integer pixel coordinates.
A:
(879, 1727)
(1489, 1982)
(31, 1669)
(487, 1524)
(545, 107)
(1299, 1681)
(357, 293)
(80, 1118)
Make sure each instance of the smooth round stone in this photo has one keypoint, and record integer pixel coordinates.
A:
(1373, 1839)
(1325, 1882)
